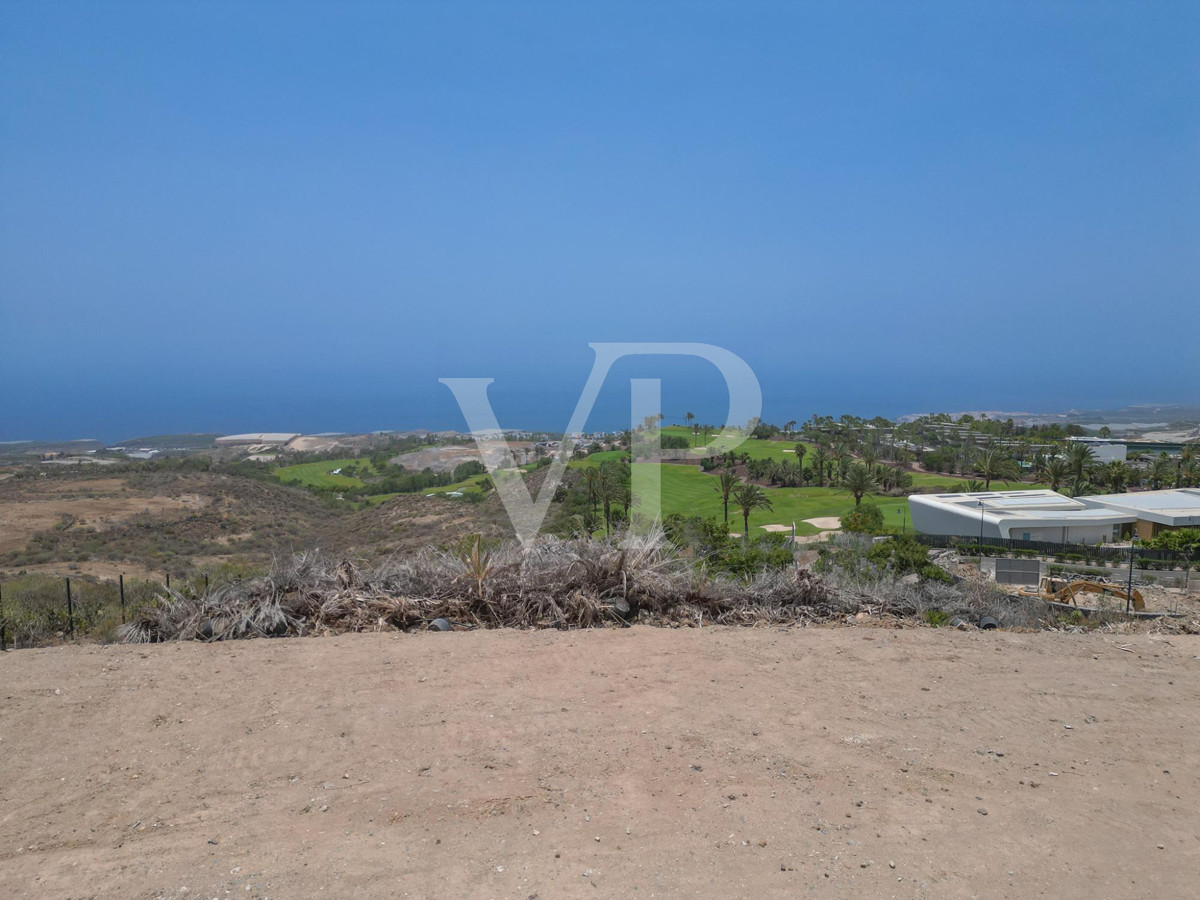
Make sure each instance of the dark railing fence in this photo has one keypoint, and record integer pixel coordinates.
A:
(1047, 548)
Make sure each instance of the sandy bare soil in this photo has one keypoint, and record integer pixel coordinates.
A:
(447, 458)
(825, 523)
(853, 762)
(99, 503)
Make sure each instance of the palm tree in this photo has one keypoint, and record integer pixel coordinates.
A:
(611, 489)
(750, 497)
(1160, 471)
(858, 480)
(591, 484)
(1079, 485)
(820, 460)
(1116, 473)
(869, 454)
(1079, 457)
(841, 453)
(793, 475)
(1054, 472)
(888, 477)
(1189, 474)
(800, 451)
(788, 426)
(689, 418)
(994, 466)
(606, 492)
(1186, 461)
(725, 486)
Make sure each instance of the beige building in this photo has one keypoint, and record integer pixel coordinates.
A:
(1153, 511)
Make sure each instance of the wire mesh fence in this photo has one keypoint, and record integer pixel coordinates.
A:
(37, 610)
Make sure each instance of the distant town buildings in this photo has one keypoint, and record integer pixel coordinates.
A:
(268, 437)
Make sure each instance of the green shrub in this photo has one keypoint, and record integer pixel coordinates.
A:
(866, 518)
(906, 555)
(936, 617)
(710, 542)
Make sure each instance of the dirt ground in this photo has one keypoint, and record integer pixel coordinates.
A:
(100, 503)
(854, 762)
(143, 523)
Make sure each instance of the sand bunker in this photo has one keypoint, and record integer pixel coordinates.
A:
(825, 523)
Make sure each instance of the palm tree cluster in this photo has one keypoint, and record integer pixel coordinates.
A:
(606, 486)
(1077, 471)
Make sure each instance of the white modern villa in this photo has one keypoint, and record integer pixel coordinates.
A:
(1155, 511)
(1039, 515)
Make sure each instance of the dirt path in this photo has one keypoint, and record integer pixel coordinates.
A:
(853, 762)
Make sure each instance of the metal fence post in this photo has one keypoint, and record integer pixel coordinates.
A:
(1129, 589)
(3, 624)
(70, 611)
(121, 582)
(168, 581)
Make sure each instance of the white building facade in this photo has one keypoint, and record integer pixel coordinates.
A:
(1154, 511)
(1105, 450)
(1038, 515)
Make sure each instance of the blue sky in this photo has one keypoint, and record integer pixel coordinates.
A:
(299, 216)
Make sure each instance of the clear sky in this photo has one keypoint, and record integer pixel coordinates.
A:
(294, 216)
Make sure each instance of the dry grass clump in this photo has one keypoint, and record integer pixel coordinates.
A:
(554, 583)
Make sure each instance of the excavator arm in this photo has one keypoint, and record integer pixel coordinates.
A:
(1069, 591)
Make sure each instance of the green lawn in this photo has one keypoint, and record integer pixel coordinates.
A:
(316, 474)
(949, 482)
(595, 459)
(691, 492)
(779, 451)
(472, 485)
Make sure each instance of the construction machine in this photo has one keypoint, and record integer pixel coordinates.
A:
(1060, 590)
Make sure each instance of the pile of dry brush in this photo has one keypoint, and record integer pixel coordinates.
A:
(578, 583)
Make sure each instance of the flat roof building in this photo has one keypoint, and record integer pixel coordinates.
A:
(265, 437)
(1105, 449)
(1154, 511)
(1039, 515)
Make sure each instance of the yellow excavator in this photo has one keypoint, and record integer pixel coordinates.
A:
(1060, 590)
